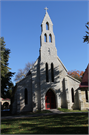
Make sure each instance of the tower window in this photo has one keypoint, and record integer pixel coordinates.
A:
(50, 38)
(45, 38)
(86, 93)
(52, 73)
(26, 96)
(72, 94)
(47, 26)
(47, 78)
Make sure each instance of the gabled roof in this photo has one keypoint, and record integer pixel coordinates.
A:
(29, 72)
(73, 78)
(62, 63)
(85, 78)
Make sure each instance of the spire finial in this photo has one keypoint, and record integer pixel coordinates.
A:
(46, 9)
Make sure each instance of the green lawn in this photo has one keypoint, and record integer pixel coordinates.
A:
(52, 124)
(66, 110)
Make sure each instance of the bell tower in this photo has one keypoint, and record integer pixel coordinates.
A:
(47, 50)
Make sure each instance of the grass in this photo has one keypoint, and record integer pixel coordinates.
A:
(66, 110)
(52, 124)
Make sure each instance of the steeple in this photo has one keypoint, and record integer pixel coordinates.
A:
(47, 36)
(46, 19)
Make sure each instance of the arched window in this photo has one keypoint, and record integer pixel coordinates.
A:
(45, 38)
(5, 105)
(47, 26)
(47, 78)
(72, 94)
(26, 96)
(50, 38)
(52, 73)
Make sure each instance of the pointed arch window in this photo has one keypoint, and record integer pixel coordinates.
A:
(72, 94)
(52, 73)
(45, 38)
(26, 96)
(50, 38)
(47, 26)
(47, 77)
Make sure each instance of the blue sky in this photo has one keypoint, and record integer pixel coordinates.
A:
(21, 29)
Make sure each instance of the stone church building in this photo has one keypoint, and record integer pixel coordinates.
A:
(47, 85)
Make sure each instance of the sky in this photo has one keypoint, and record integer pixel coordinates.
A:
(21, 29)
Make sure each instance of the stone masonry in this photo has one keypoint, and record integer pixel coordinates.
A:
(36, 83)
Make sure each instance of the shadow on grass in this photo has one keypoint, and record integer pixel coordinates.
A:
(34, 129)
(53, 124)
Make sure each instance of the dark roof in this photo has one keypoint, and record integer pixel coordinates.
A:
(28, 73)
(85, 78)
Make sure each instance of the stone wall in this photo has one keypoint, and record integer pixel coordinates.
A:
(19, 97)
(59, 73)
(73, 83)
(83, 98)
(36, 86)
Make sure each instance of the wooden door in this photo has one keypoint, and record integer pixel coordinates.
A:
(50, 100)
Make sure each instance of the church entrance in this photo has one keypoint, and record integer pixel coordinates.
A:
(50, 100)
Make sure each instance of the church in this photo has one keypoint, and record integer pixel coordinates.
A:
(47, 85)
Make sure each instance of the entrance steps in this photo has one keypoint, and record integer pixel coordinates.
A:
(55, 111)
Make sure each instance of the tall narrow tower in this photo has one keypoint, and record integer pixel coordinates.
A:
(48, 50)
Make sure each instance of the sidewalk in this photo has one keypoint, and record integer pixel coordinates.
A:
(54, 112)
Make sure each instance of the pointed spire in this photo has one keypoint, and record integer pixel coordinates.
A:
(46, 17)
(46, 9)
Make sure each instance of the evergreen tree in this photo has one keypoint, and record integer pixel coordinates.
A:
(6, 83)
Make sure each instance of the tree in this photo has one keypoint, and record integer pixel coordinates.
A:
(6, 83)
(23, 72)
(76, 74)
(86, 38)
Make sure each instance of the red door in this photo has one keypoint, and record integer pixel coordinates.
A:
(50, 100)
